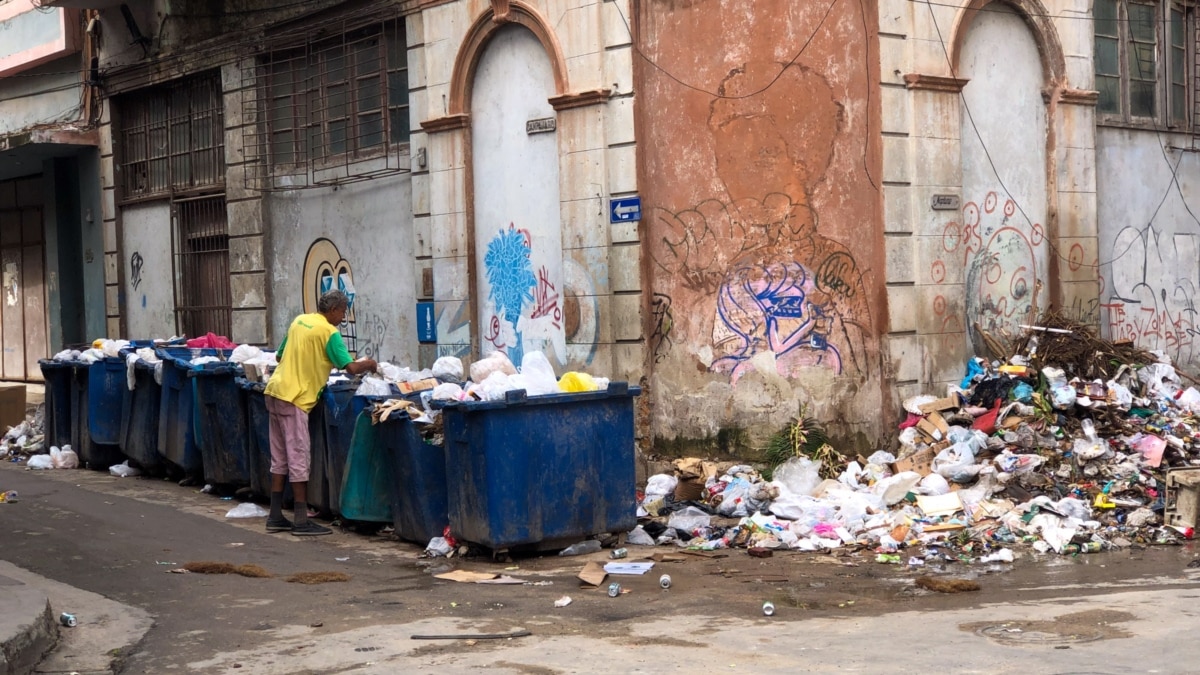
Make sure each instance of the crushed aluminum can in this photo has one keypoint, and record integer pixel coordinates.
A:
(614, 589)
(68, 620)
(768, 608)
(664, 581)
(619, 553)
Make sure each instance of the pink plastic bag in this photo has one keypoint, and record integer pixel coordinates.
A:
(211, 341)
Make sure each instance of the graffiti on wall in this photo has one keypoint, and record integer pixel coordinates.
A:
(325, 269)
(1152, 298)
(661, 323)
(998, 249)
(756, 259)
(531, 309)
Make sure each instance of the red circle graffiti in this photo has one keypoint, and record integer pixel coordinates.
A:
(937, 271)
(1010, 207)
(951, 236)
(1037, 235)
(971, 214)
(993, 272)
(1018, 288)
(939, 305)
(1075, 257)
(952, 324)
(989, 202)
(1100, 278)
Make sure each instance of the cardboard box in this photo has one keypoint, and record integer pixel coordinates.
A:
(251, 372)
(12, 404)
(921, 462)
(940, 423)
(948, 403)
(689, 489)
(930, 429)
(417, 385)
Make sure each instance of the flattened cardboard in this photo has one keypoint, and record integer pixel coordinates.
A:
(948, 403)
(593, 574)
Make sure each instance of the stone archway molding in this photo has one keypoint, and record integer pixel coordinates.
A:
(501, 13)
(1036, 16)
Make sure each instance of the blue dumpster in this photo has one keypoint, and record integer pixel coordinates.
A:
(106, 382)
(417, 471)
(92, 454)
(541, 469)
(258, 438)
(176, 426)
(58, 376)
(341, 408)
(139, 419)
(224, 430)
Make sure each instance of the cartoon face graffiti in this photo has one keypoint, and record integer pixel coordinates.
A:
(325, 269)
(768, 306)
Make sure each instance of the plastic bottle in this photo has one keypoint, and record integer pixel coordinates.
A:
(583, 547)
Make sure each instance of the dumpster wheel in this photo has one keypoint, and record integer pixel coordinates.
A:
(500, 555)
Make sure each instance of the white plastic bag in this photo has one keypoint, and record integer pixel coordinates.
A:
(798, 476)
(638, 537)
(123, 470)
(130, 381)
(539, 375)
(64, 459)
(448, 369)
(373, 386)
(438, 547)
(733, 499)
(933, 485)
(492, 363)
(687, 521)
(243, 353)
(659, 486)
(40, 462)
(894, 488)
(956, 463)
(247, 510)
(493, 387)
(1119, 395)
(447, 391)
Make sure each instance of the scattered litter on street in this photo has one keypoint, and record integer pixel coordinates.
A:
(563, 601)
(247, 510)
(485, 636)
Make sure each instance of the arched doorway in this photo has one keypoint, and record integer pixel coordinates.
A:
(517, 243)
(1003, 239)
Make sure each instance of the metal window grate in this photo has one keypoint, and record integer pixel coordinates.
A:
(332, 110)
(203, 302)
(172, 138)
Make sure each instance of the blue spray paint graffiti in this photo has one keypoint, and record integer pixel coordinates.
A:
(767, 307)
(510, 275)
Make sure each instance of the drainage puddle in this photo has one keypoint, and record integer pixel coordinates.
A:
(1062, 632)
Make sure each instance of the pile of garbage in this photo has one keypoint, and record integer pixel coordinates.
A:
(26, 438)
(1071, 444)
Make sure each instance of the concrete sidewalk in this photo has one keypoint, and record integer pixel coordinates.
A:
(28, 630)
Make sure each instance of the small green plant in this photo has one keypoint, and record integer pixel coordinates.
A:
(804, 436)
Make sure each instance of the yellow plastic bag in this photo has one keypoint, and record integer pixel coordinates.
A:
(574, 382)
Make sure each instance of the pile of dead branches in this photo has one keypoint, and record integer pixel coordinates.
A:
(1077, 348)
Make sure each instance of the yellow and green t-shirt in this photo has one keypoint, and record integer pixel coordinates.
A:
(314, 346)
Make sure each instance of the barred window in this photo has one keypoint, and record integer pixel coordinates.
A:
(341, 97)
(172, 138)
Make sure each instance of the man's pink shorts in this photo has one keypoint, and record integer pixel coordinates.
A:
(290, 449)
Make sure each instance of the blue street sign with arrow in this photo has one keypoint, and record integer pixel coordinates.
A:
(625, 209)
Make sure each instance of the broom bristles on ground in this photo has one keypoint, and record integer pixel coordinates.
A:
(317, 577)
(211, 567)
(946, 585)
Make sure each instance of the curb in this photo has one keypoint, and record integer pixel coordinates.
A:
(24, 640)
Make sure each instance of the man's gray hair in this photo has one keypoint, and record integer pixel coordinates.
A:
(331, 300)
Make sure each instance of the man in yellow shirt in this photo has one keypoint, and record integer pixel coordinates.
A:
(313, 347)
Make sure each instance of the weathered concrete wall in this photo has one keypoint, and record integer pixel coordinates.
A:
(994, 269)
(357, 238)
(1151, 254)
(149, 287)
(766, 251)
(43, 95)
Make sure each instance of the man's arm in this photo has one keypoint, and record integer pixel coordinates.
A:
(335, 349)
(279, 350)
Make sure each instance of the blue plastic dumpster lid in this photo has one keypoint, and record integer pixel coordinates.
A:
(519, 397)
